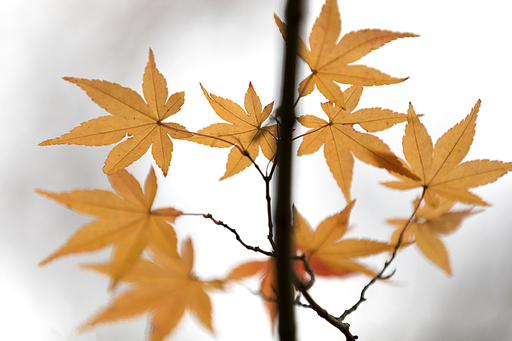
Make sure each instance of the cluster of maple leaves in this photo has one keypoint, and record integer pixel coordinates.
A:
(145, 247)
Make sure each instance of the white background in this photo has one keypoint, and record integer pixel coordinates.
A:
(463, 55)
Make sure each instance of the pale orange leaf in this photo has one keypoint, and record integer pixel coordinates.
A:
(125, 221)
(142, 121)
(438, 170)
(164, 288)
(328, 58)
(245, 133)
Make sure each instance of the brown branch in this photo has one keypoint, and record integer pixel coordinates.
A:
(283, 231)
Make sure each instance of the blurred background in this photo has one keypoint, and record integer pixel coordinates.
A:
(463, 55)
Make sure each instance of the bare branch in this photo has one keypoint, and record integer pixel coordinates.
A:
(380, 275)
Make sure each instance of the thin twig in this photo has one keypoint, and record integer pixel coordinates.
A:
(268, 198)
(238, 238)
(305, 284)
(340, 325)
(380, 275)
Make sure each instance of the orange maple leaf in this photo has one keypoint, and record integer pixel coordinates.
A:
(268, 287)
(328, 254)
(125, 220)
(427, 227)
(165, 289)
(131, 116)
(328, 58)
(245, 132)
(438, 169)
(340, 140)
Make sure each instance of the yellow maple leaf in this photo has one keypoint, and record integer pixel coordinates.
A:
(245, 131)
(328, 58)
(131, 116)
(164, 288)
(340, 140)
(125, 220)
(427, 227)
(439, 169)
(326, 250)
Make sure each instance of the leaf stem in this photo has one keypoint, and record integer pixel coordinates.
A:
(303, 89)
(204, 135)
(311, 131)
(236, 145)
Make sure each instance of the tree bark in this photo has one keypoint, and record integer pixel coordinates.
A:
(283, 217)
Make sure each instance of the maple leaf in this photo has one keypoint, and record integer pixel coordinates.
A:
(125, 220)
(439, 169)
(164, 288)
(328, 254)
(131, 116)
(245, 130)
(265, 270)
(340, 140)
(328, 58)
(428, 225)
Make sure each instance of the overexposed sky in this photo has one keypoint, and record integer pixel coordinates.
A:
(462, 55)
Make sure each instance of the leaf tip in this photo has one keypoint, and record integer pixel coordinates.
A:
(70, 79)
(40, 191)
(47, 260)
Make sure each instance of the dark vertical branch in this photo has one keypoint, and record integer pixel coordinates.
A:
(285, 294)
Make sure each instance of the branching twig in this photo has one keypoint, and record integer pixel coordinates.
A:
(380, 275)
(340, 325)
(238, 238)
(308, 284)
(268, 198)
